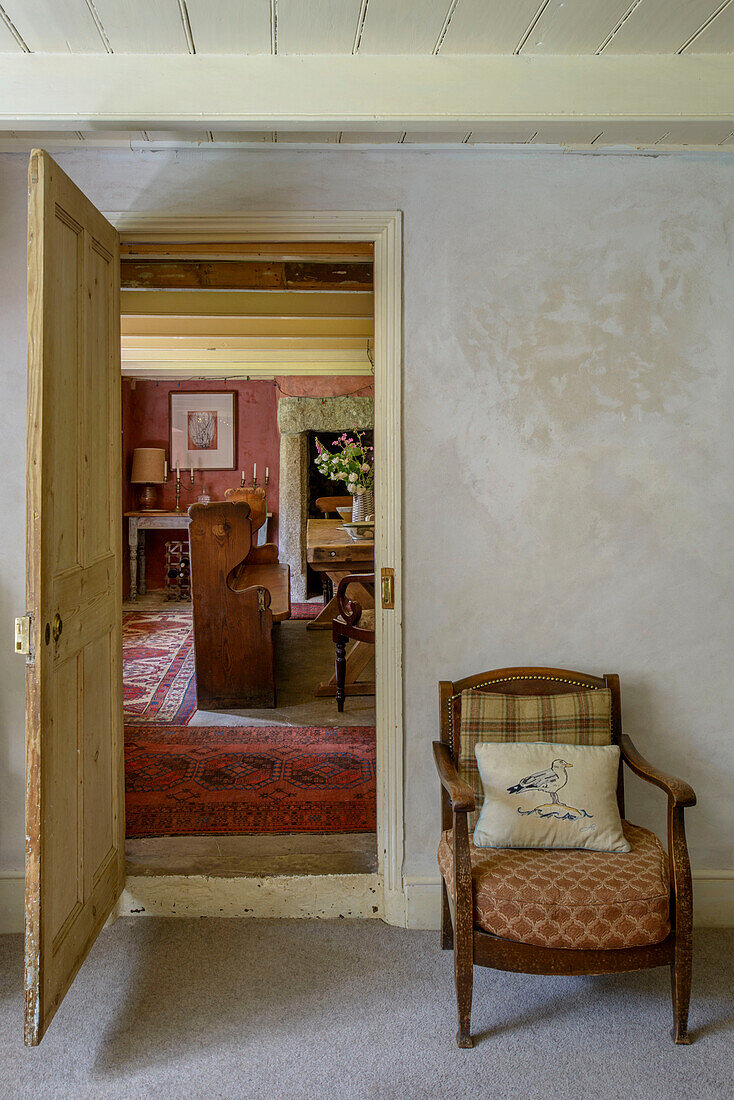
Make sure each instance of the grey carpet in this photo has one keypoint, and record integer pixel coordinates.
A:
(295, 1009)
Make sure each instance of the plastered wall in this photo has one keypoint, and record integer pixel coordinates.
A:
(568, 327)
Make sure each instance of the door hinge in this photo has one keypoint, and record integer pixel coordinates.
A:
(23, 635)
(387, 588)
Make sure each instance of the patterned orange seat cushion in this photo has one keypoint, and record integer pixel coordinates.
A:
(567, 897)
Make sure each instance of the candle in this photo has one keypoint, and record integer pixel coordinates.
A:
(243, 477)
(165, 470)
(178, 473)
(254, 471)
(192, 473)
(267, 472)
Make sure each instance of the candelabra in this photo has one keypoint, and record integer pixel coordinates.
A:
(178, 487)
(254, 477)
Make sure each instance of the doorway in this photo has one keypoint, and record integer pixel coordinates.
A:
(378, 893)
(275, 341)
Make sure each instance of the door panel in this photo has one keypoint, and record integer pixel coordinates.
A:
(74, 750)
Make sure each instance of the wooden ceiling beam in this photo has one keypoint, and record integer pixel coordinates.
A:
(323, 93)
(316, 251)
(216, 328)
(261, 303)
(169, 274)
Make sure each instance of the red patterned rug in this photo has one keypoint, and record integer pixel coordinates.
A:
(306, 610)
(190, 780)
(159, 685)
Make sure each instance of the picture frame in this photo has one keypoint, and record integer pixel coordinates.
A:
(203, 429)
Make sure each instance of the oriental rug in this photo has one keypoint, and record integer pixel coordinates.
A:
(306, 610)
(159, 685)
(190, 780)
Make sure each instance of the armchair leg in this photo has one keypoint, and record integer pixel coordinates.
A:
(680, 986)
(340, 643)
(681, 966)
(464, 974)
(447, 928)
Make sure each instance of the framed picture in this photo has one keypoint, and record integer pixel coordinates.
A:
(203, 429)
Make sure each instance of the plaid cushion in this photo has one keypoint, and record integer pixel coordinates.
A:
(576, 718)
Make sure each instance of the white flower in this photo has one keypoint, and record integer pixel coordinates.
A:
(365, 468)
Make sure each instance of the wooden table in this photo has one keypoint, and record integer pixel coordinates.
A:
(140, 522)
(330, 550)
(137, 524)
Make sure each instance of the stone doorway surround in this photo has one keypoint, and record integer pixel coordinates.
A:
(296, 417)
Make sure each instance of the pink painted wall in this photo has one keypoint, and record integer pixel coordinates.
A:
(145, 424)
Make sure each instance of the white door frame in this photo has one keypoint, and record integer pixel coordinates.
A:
(383, 893)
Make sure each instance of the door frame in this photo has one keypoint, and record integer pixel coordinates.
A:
(384, 230)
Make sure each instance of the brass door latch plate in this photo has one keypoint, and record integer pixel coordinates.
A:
(23, 635)
(387, 588)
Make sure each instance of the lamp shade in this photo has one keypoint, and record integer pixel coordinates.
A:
(148, 466)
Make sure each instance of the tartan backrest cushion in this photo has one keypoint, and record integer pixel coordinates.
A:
(573, 718)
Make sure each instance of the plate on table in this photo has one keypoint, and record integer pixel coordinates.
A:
(359, 531)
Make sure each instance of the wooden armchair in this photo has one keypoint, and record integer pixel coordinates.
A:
(355, 622)
(469, 872)
(238, 591)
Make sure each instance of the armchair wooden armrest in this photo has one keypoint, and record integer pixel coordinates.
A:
(351, 610)
(460, 793)
(267, 554)
(681, 792)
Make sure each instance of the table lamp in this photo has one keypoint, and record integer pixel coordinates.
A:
(149, 470)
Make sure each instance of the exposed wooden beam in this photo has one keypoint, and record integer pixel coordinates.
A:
(262, 303)
(240, 343)
(130, 91)
(253, 250)
(169, 274)
(170, 325)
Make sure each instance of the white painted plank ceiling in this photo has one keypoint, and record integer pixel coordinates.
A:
(142, 26)
(230, 26)
(718, 37)
(575, 26)
(659, 26)
(55, 26)
(317, 26)
(371, 137)
(502, 133)
(402, 28)
(8, 42)
(489, 26)
(286, 137)
(369, 26)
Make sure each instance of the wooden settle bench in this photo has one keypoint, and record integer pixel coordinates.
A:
(239, 590)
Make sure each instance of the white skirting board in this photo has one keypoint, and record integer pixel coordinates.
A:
(355, 896)
(713, 900)
(12, 901)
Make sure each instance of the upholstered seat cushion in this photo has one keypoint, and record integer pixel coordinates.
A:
(570, 897)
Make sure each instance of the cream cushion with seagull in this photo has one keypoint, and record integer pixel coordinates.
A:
(540, 794)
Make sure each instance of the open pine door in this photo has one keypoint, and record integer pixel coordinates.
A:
(75, 827)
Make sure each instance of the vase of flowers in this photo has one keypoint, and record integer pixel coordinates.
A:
(353, 463)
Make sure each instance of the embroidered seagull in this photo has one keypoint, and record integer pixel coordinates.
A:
(551, 780)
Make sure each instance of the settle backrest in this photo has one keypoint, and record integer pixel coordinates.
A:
(255, 497)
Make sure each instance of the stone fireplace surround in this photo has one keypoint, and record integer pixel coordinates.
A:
(296, 417)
